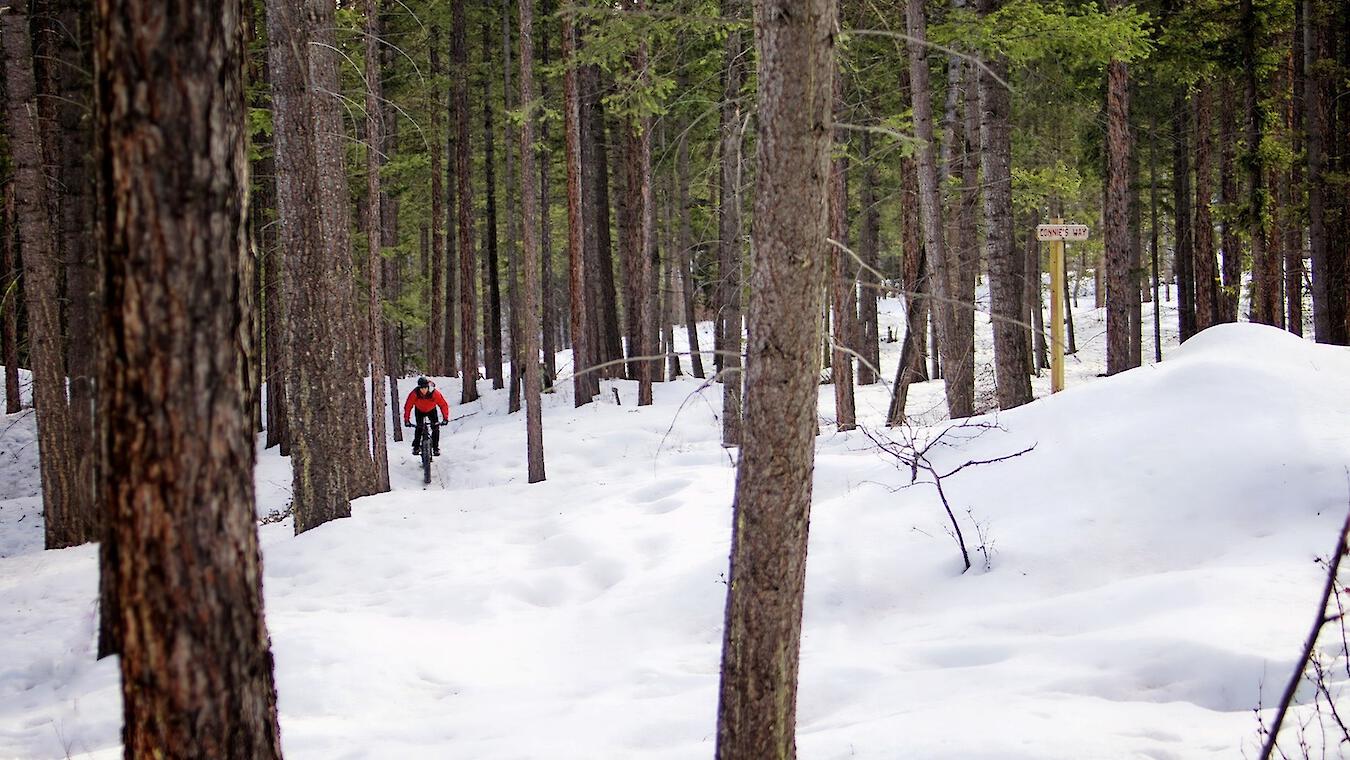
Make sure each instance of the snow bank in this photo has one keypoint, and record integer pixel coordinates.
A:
(1151, 570)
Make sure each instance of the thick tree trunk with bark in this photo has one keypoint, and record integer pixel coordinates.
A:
(320, 454)
(374, 237)
(585, 383)
(529, 329)
(762, 638)
(728, 318)
(196, 670)
(1012, 355)
(65, 523)
(1117, 215)
(1266, 304)
(649, 368)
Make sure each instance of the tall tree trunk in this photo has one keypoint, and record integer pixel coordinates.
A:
(1153, 234)
(1138, 276)
(606, 340)
(196, 670)
(1266, 306)
(1228, 229)
(348, 391)
(65, 524)
(685, 253)
(844, 278)
(729, 229)
(492, 291)
(9, 302)
(757, 708)
(374, 237)
(78, 251)
(1206, 296)
(585, 383)
(869, 341)
(512, 232)
(1117, 215)
(549, 308)
(320, 455)
(959, 403)
(435, 341)
(963, 255)
(529, 319)
(1291, 183)
(450, 264)
(1328, 266)
(1183, 264)
(468, 261)
(645, 277)
(1012, 355)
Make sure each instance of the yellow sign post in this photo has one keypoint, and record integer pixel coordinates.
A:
(1056, 233)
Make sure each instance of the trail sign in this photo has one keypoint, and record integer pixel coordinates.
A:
(1061, 232)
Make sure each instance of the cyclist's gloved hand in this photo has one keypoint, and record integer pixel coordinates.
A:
(407, 424)
(445, 422)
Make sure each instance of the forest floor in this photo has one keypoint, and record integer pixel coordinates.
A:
(1149, 575)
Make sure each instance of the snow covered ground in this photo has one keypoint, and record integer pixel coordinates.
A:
(1151, 576)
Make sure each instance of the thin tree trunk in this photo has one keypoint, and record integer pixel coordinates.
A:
(9, 300)
(1206, 296)
(1138, 277)
(1153, 234)
(963, 255)
(1291, 183)
(468, 261)
(844, 278)
(1231, 246)
(959, 404)
(196, 670)
(585, 384)
(435, 340)
(645, 276)
(729, 230)
(65, 525)
(1183, 263)
(492, 308)
(549, 308)
(512, 232)
(375, 236)
(762, 635)
(910, 370)
(685, 254)
(529, 319)
(869, 341)
(1329, 299)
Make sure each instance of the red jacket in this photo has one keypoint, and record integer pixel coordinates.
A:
(425, 404)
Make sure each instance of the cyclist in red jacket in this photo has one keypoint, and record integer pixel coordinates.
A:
(426, 400)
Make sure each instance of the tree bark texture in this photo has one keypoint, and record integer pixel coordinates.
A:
(1183, 262)
(529, 331)
(585, 383)
(1012, 355)
(1117, 217)
(322, 483)
(844, 279)
(728, 319)
(492, 292)
(435, 335)
(374, 237)
(512, 231)
(548, 309)
(65, 524)
(1206, 276)
(869, 340)
(762, 635)
(196, 670)
(1229, 244)
(685, 254)
(468, 261)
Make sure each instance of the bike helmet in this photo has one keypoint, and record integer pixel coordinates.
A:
(422, 382)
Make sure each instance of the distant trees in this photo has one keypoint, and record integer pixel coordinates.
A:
(196, 670)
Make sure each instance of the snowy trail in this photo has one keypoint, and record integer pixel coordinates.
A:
(1151, 570)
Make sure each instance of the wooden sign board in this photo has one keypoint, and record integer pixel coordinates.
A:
(1061, 232)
